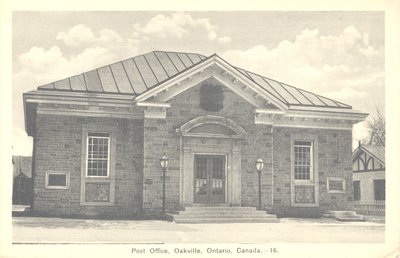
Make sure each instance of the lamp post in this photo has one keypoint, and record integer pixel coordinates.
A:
(164, 166)
(259, 167)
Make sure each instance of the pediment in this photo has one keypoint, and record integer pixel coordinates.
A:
(218, 72)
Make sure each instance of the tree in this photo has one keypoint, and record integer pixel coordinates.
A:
(376, 128)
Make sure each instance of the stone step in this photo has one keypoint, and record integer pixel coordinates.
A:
(227, 220)
(211, 205)
(219, 215)
(221, 212)
(350, 219)
(341, 213)
(344, 216)
(219, 208)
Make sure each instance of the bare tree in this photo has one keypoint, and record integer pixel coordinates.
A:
(376, 127)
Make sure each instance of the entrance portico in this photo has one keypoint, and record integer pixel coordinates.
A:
(210, 161)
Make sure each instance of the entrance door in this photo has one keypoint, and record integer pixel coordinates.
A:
(209, 179)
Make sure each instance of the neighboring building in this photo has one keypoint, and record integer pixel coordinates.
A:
(99, 136)
(22, 180)
(369, 173)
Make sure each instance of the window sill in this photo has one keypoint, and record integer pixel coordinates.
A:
(57, 187)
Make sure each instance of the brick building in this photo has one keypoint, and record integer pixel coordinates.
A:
(99, 136)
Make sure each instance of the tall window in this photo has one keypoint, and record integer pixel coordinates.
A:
(98, 154)
(303, 160)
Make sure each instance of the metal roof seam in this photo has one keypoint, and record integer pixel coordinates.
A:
(182, 61)
(161, 65)
(112, 74)
(69, 82)
(101, 83)
(304, 96)
(141, 76)
(151, 69)
(282, 98)
(188, 57)
(85, 83)
(336, 102)
(172, 62)
(260, 85)
(127, 76)
(288, 92)
(318, 98)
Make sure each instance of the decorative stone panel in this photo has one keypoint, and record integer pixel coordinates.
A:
(304, 194)
(97, 192)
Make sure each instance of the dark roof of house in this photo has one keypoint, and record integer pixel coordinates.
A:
(136, 75)
(373, 150)
(377, 151)
(22, 164)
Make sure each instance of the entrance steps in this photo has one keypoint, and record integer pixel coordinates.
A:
(223, 214)
(344, 215)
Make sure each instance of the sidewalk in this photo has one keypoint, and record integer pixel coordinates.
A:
(289, 230)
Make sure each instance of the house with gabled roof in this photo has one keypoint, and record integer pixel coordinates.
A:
(369, 173)
(99, 137)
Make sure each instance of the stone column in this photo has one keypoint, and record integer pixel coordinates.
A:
(236, 178)
(187, 176)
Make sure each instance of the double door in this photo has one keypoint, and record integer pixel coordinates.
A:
(209, 179)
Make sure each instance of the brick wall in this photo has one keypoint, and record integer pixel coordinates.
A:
(58, 148)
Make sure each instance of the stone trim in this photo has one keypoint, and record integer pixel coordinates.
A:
(314, 182)
(210, 119)
(66, 187)
(90, 179)
(336, 179)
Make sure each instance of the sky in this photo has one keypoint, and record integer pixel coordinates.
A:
(334, 54)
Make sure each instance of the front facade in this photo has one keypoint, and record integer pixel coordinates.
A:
(369, 174)
(99, 137)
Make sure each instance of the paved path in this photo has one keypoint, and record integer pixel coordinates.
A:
(56, 230)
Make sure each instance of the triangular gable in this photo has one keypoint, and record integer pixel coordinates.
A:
(365, 159)
(220, 70)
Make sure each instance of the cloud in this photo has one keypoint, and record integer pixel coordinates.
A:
(360, 132)
(343, 66)
(77, 36)
(178, 25)
(224, 40)
(346, 94)
(22, 144)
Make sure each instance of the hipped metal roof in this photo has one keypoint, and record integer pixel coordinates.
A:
(134, 76)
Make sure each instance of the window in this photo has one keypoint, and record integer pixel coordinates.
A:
(303, 160)
(335, 185)
(356, 190)
(98, 154)
(57, 180)
(379, 190)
